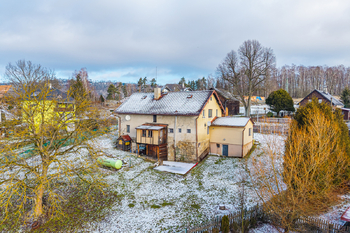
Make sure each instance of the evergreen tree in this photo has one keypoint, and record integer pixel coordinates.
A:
(153, 83)
(112, 90)
(345, 97)
(140, 84)
(280, 100)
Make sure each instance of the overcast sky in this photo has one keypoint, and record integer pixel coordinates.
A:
(126, 40)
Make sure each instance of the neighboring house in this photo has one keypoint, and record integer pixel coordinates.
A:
(173, 126)
(41, 108)
(229, 101)
(231, 136)
(322, 96)
(5, 89)
(175, 88)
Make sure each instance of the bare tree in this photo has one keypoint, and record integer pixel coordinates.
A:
(247, 70)
(56, 152)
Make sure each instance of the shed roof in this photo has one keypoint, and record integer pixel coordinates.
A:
(125, 137)
(188, 103)
(231, 121)
(150, 127)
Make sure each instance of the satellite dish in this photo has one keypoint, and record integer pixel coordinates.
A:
(127, 117)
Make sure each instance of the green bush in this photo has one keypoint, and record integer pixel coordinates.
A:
(269, 114)
(225, 224)
(215, 230)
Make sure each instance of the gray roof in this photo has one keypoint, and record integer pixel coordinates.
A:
(231, 121)
(174, 103)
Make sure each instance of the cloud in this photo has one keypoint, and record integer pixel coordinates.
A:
(128, 39)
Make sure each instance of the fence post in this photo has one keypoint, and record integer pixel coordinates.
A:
(330, 228)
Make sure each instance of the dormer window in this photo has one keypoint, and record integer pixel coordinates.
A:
(189, 96)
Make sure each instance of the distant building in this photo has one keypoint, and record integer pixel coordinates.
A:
(175, 88)
(322, 96)
(229, 101)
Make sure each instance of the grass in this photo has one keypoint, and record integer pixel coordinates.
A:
(79, 211)
(167, 204)
(196, 206)
(131, 205)
(154, 206)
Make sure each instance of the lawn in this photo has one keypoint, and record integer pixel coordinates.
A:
(155, 201)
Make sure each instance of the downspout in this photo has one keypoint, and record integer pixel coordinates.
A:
(119, 124)
(196, 140)
(242, 141)
(175, 121)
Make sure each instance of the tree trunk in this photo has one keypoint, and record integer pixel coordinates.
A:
(38, 208)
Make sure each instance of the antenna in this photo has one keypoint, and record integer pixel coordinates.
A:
(156, 75)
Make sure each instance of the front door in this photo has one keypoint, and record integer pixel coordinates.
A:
(225, 150)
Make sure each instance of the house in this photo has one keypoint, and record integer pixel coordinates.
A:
(322, 96)
(4, 89)
(42, 107)
(231, 136)
(229, 101)
(173, 125)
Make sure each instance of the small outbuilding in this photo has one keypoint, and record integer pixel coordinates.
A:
(231, 136)
(124, 143)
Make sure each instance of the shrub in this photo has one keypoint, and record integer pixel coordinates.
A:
(269, 114)
(225, 224)
(215, 230)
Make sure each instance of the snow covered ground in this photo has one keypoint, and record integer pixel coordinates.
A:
(154, 201)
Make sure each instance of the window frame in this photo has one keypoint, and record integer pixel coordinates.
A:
(143, 133)
(171, 130)
(154, 118)
(150, 133)
(179, 130)
(210, 113)
(250, 131)
(188, 131)
(128, 128)
(203, 113)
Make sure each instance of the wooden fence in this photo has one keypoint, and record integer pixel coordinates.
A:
(256, 215)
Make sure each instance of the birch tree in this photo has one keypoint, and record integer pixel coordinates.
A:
(247, 69)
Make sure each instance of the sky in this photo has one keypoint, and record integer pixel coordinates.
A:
(168, 39)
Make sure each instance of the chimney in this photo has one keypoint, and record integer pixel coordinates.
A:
(157, 93)
(183, 85)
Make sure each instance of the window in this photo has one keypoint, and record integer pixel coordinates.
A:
(208, 130)
(154, 118)
(171, 130)
(150, 133)
(211, 98)
(188, 130)
(210, 113)
(179, 130)
(218, 145)
(250, 131)
(143, 133)
(128, 128)
(217, 112)
(203, 113)
(320, 100)
(309, 100)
